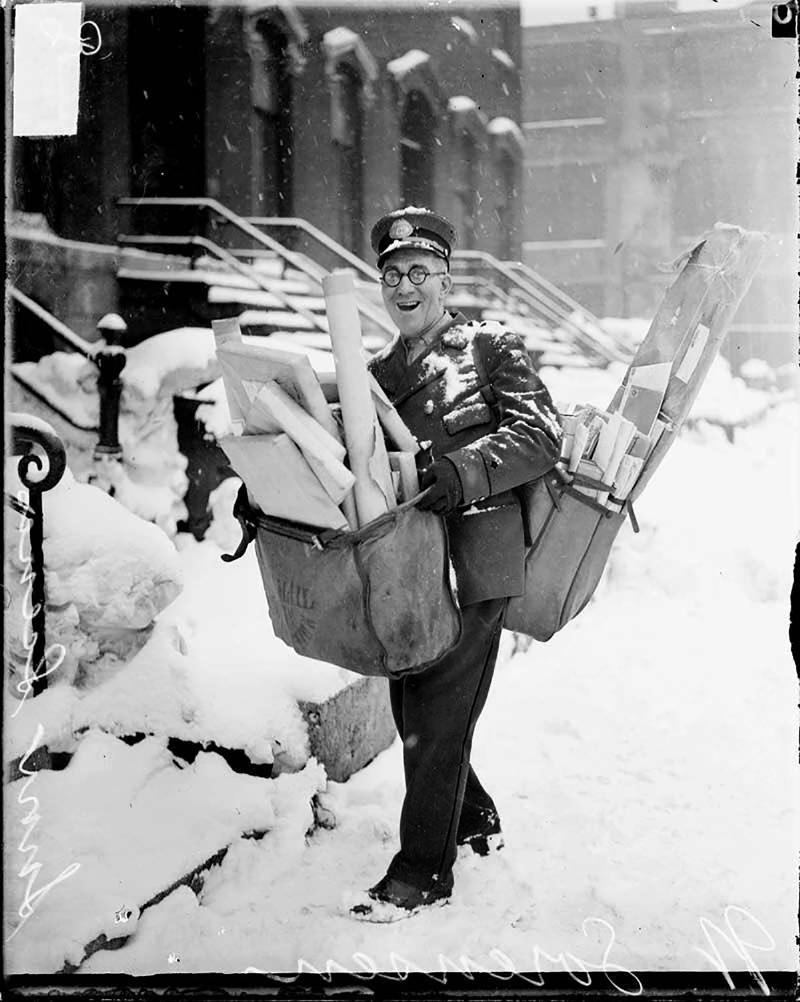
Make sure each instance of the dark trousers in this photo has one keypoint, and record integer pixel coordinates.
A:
(435, 713)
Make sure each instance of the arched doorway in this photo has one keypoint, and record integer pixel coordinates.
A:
(347, 131)
(272, 121)
(417, 127)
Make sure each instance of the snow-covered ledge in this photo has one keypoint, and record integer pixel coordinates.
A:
(415, 70)
(466, 116)
(342, 44)
(506, 136)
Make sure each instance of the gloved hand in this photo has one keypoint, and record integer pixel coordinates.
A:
(445, 492)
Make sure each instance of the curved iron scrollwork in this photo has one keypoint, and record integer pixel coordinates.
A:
(40, 448)
(41, 466)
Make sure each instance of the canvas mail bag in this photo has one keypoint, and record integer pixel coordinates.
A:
(376, 600)
(571, 535)
(571, 538)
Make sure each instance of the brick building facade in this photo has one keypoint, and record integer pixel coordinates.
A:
(334, 114)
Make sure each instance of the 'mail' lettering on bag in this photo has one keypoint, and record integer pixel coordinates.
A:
(294, 594)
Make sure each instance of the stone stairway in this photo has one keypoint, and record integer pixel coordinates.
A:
(160, 291)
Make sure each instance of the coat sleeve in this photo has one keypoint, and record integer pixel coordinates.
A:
(527, 440)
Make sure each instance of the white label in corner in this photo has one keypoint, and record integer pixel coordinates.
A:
(693, 353)
(46, 82)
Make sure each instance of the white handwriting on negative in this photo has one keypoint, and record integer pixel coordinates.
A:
(741, 947)
(31, 867)
(29, 613)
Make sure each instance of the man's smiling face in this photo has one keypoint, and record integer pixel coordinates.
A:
(413, 308)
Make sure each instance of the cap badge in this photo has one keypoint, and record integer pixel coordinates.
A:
(400, 229)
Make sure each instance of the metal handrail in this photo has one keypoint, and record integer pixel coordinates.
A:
(251, 274)
(108, 359)
(36, 392)
(565, 298)
(240, 223)
(553, 314)
(75, 341)
(294, 222)
(543, 303)
(81, 345)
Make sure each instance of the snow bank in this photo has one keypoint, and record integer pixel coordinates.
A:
(108, 575)
(151, 481)
(120, 825)
(643, 762)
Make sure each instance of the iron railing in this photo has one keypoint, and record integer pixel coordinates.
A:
(231, 259)
(109, 359)
(241, 224)
(535, 294)
(42, 463)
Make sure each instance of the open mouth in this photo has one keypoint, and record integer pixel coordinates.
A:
(407, 307)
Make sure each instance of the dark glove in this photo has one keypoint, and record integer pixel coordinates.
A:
(444, 485)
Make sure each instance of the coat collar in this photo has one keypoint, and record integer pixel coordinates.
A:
(399, 377)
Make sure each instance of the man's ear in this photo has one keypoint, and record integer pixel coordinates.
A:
(447, 283)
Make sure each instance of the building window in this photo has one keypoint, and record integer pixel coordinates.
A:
(347, 124)
(417, 135)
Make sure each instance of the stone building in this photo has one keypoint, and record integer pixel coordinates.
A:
(331, 113)
(644, 125)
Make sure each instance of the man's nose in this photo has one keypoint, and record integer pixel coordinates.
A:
(405, 284)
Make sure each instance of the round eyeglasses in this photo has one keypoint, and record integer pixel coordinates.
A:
(416, 275)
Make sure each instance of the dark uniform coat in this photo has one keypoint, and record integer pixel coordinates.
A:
(476, 397)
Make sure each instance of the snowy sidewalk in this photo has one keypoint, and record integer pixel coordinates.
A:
(642, 761)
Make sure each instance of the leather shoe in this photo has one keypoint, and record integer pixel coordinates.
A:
(489, 838)
(391, 900)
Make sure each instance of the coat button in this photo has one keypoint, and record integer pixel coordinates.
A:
(429, 407)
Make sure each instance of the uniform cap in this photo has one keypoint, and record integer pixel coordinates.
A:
(413, 228)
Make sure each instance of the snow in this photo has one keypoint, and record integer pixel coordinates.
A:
(338, 39)
(642, 760)
(113, 799)
(461, 24)
(502, 57)
(170, 362)
(461, 103)
(102, 597)
(454, 381)
(407, 63)
(502, 126)
(151, 480)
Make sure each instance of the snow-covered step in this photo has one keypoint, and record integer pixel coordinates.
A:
(321, 342)
(213, 278)
(258, 297)
(265, 264)
(122, 826)
(276, 319)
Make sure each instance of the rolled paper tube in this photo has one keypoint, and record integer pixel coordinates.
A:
(366, 450)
